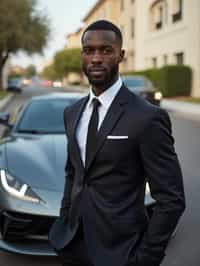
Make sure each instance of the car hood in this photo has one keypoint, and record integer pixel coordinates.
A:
(38, 160)
(140, 90)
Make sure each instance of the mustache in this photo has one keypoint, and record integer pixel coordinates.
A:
(96, 68)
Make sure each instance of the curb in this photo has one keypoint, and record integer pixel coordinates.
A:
(5, 101)
(182, 107)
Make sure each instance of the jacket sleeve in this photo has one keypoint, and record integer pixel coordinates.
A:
(163, 172)
(69, 174)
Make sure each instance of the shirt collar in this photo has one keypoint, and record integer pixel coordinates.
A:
(108, 95)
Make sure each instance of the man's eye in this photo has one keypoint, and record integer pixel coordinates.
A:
(107, 50)
(87, 50)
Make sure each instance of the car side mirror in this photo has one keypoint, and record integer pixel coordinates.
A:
(4, 119)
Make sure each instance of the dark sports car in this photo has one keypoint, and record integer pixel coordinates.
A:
(32, 162)
(143, 87)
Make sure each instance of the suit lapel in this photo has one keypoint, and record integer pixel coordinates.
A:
(78, 113)
(114, 113)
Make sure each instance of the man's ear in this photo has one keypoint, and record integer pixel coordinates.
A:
(121, 56)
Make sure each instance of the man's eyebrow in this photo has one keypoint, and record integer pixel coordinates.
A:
(99, 46)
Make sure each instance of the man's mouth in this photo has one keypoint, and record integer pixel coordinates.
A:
(97, 71)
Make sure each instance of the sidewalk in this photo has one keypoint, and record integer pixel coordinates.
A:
(184, 108)
(5, 101)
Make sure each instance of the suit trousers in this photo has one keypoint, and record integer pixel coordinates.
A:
(75, 253)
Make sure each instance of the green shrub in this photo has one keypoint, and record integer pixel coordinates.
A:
(176, 80)
(171, 80)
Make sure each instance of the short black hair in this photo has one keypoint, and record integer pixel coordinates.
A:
(104, 25)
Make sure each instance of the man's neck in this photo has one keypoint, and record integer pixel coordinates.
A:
(98, 90)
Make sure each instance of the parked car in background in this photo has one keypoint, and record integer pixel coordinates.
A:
(143, 87)
(32, 173)
(14, 85)
(26, 81)
(57, 84)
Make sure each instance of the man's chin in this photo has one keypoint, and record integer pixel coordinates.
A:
(97, 82)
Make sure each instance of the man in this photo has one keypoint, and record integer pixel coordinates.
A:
(116, 142)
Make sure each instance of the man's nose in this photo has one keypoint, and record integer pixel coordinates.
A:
(97, 57)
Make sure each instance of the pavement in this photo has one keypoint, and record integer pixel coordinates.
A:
(184, 108)
(5, 101)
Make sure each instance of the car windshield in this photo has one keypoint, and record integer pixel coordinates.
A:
(134, 82)
(44, 116)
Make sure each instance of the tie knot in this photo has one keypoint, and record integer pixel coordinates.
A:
(96, 103)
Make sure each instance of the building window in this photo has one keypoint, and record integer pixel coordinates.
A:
(179, 58)
(177, 10)
(132, 28)
(122, 5)
(157, 15)
(159, 22)
(165, 59)
(154, 62)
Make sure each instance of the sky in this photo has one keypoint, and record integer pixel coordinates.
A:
(66, 17)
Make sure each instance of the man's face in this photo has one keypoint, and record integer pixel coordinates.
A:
(101, 55)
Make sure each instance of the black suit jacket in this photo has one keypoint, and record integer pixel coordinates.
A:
(109, 194)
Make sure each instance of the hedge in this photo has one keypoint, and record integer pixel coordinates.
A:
(171, 80)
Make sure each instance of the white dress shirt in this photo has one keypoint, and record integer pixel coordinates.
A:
(105, 99)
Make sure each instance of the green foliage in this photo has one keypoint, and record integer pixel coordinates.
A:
(176, 80)
(49, 73)
(30, 71)
(22, 27)
(67, 60)
(3, 93)
(171, 80)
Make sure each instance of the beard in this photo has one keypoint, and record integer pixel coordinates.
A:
(105, 80)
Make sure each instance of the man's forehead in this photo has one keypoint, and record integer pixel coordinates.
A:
(107, 36)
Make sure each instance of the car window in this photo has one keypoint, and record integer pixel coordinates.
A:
(134, 82)
(44, 116)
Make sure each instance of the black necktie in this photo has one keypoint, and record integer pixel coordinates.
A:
(92, 130)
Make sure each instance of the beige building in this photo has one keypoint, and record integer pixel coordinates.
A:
(74, 39)
(156, 32)
(167, 32)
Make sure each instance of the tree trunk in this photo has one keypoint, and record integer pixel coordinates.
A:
(3, 59)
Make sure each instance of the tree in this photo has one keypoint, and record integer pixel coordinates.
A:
(67, 60)
(30, 71)
(22, 27)
(49, 73)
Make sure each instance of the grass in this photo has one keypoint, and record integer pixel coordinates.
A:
(3, 94)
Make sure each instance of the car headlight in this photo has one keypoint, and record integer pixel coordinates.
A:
(147, 191)
(158, 95)
(16, 188)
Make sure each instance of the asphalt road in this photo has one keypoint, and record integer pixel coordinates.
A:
(184, 248)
